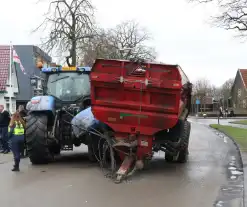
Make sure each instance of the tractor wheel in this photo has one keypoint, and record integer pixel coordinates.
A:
(93, 147)
(183, 132)
(55, 149)
(169, 158)
(36, 138)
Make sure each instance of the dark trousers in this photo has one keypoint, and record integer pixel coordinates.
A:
(4, 138)
(17, 142)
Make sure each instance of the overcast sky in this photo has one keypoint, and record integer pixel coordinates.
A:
(181, 34)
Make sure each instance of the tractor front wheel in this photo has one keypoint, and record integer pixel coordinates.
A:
(36, 138)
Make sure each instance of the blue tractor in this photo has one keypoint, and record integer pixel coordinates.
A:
(48, 124)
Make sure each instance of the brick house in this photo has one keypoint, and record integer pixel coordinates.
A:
(8, 89)
(21, 90)
(239, 91)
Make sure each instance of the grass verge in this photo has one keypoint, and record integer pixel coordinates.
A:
(243, 122)
(238, 134)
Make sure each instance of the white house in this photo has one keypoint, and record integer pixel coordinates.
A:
(8, 83)
(20, 91)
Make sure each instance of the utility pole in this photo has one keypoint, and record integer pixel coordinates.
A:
(218, 113)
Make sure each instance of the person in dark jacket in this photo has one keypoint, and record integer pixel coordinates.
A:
(4, 122)
(16, 135)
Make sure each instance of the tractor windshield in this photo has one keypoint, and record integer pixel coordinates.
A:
(68, 86)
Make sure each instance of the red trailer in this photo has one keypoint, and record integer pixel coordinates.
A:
(146, 106)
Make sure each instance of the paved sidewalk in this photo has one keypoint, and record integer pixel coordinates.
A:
(234, 118)
(235, 125)
(4, 158)
(223, 121)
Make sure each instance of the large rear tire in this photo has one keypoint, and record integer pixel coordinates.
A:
(93, 147)
(36, 138)
(183, 132)
(55, 149)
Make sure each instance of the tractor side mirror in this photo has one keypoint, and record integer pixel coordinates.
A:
(33, 81)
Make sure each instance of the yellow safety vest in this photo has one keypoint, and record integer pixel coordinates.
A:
(19, 129)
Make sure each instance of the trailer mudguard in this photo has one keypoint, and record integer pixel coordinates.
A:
(41, 103)
(85, 122)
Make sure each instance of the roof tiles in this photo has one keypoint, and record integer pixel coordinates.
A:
(243, 73)
(4, 66)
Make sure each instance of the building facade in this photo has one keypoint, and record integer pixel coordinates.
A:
(21, 90)
(239, 92)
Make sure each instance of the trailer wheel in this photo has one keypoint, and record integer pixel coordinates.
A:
(183, 156)
(185, 135)
(36, 138)
(169, 158)
(182, 134)
(92, 144)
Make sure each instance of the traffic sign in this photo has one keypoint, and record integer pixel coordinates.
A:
(197, 101)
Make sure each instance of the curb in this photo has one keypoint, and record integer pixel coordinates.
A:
(243, 161)
(217, 118)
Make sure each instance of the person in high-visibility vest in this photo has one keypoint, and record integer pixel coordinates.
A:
(16, 135)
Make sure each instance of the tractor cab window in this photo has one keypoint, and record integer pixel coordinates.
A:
(68, 86)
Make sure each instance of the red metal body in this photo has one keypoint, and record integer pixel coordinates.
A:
(137, 101)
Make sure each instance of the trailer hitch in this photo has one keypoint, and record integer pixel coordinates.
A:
(124, 169)
(134, 158)
(129, 166)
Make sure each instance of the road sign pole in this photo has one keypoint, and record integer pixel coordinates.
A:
(197, 105)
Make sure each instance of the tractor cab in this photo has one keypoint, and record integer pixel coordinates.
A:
(67, 84)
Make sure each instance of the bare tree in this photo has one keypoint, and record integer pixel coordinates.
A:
(131, 35)
(69, 22)
(128, 40)
(99, 47)
(226, 88)
(202, 87)
(233, 15)
(215, 92)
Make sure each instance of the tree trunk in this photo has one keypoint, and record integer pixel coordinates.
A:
(73, 53)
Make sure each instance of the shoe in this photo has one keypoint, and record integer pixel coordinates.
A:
(15, 169)
(16, 166)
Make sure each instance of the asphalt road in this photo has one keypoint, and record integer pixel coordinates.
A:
(72, 181)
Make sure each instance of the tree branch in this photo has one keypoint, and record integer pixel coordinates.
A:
(233, 15)
(69, 23)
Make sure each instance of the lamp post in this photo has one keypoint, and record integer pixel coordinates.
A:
(34, 84)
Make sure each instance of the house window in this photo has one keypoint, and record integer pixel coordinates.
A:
(239, 92)
(244, 104)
